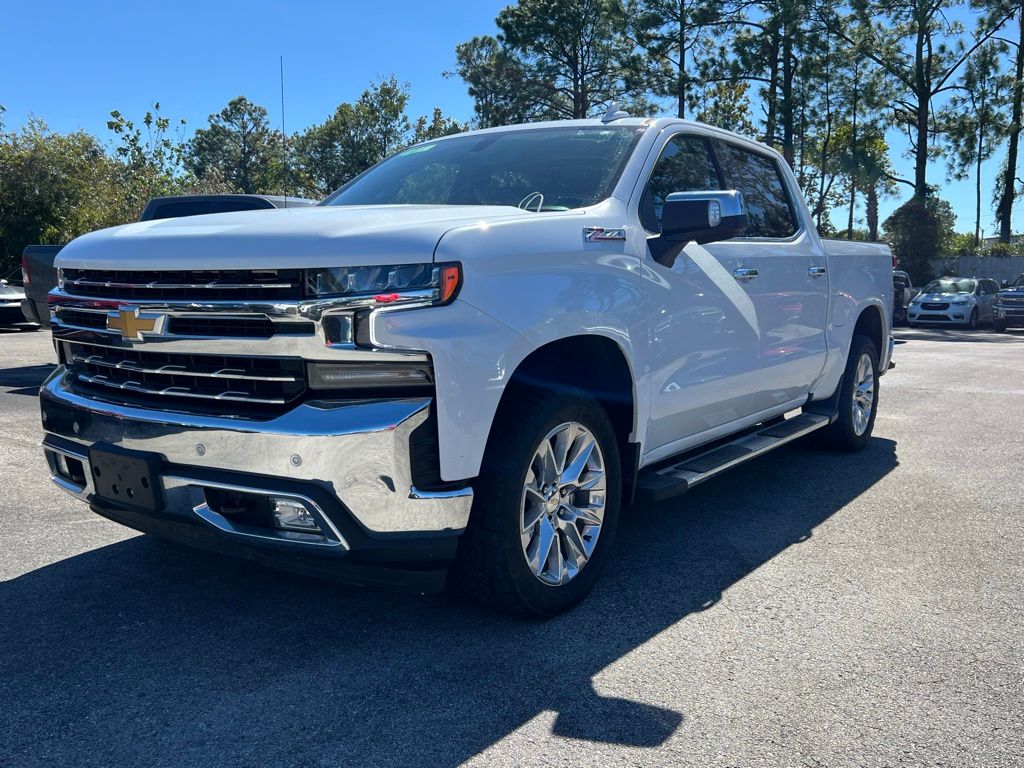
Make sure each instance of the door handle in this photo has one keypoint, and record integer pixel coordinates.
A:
(816, 271)
(744, 273)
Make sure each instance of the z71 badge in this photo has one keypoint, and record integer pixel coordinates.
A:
(603, 234)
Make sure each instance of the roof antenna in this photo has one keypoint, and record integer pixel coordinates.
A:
(284, 139)
(614, 113)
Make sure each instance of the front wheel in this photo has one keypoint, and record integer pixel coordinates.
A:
(858, 399)
(999, 326)
(546, 504)
(972, 323)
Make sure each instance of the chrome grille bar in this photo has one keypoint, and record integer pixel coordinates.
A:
(173, 369)
(134, 386)
(176, 286)
(261, 382)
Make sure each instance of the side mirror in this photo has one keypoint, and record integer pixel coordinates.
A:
(701, 217)
(1005, 284)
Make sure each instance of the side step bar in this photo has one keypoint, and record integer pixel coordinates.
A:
(666, 482)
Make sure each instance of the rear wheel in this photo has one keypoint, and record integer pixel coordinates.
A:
(546, 505)
(858, 399)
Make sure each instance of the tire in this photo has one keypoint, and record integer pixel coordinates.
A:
(973, 322)
(850, 432)
(999, 327)
(492, 562)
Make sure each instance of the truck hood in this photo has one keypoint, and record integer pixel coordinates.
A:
(320, 236)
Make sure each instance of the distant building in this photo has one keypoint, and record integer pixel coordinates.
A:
(988, 242)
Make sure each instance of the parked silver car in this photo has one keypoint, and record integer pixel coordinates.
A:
(11, 297)
(964, 301)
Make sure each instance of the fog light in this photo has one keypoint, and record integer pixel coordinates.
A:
(292, 515)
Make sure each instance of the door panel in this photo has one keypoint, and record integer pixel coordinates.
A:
(703, 345)
(790, 293)
(790, 305)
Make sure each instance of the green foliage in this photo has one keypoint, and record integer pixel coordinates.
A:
(359, 135)
(552, 59)
(53, 187)
(920, 233)
(674, 36)
(1005, 250)
(150, 160)
(240, 147)
(976, 119)
(962, 244)
(497, 80)
(436, 127)
(726, 105)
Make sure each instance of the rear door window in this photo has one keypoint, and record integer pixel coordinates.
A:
(769, 210)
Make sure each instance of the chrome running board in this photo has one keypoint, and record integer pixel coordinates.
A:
(667, 481)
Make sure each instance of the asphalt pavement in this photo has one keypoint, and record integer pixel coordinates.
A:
(807, 609)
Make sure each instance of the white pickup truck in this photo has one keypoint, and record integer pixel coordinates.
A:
(471, 358)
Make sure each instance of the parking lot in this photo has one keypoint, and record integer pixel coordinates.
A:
(807, 609)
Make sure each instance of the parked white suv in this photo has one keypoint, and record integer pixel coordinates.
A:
(475, 354)
(964, 301)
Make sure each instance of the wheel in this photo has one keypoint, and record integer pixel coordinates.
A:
(999, 326)
(858, 399)
(546, 506)
(973, 322)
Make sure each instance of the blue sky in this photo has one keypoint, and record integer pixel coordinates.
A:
(72, 62)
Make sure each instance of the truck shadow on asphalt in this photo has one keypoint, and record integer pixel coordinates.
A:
(25, 380)
(141, 652)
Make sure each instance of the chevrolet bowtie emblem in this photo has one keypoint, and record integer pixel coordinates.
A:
(132, 323)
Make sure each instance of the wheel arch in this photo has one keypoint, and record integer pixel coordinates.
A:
(871, 323)
(592, 362)
(599, 365)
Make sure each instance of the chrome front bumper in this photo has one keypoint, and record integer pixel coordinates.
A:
(357, 452)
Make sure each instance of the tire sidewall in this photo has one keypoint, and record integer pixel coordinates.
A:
(859, 346)
(539, 597)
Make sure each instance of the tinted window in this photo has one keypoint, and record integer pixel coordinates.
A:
(539, 169)
(686, 165)
(757, 178)
(200, 207)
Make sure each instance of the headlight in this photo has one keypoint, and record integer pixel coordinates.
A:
(961, 303)
(433, 283)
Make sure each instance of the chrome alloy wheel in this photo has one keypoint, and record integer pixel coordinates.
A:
(863, 394)
(563, 503)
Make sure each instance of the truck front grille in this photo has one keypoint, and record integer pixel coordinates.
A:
(239, 285)
(131, 375)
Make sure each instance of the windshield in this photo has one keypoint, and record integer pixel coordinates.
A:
(950, 285)
(537, 169)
